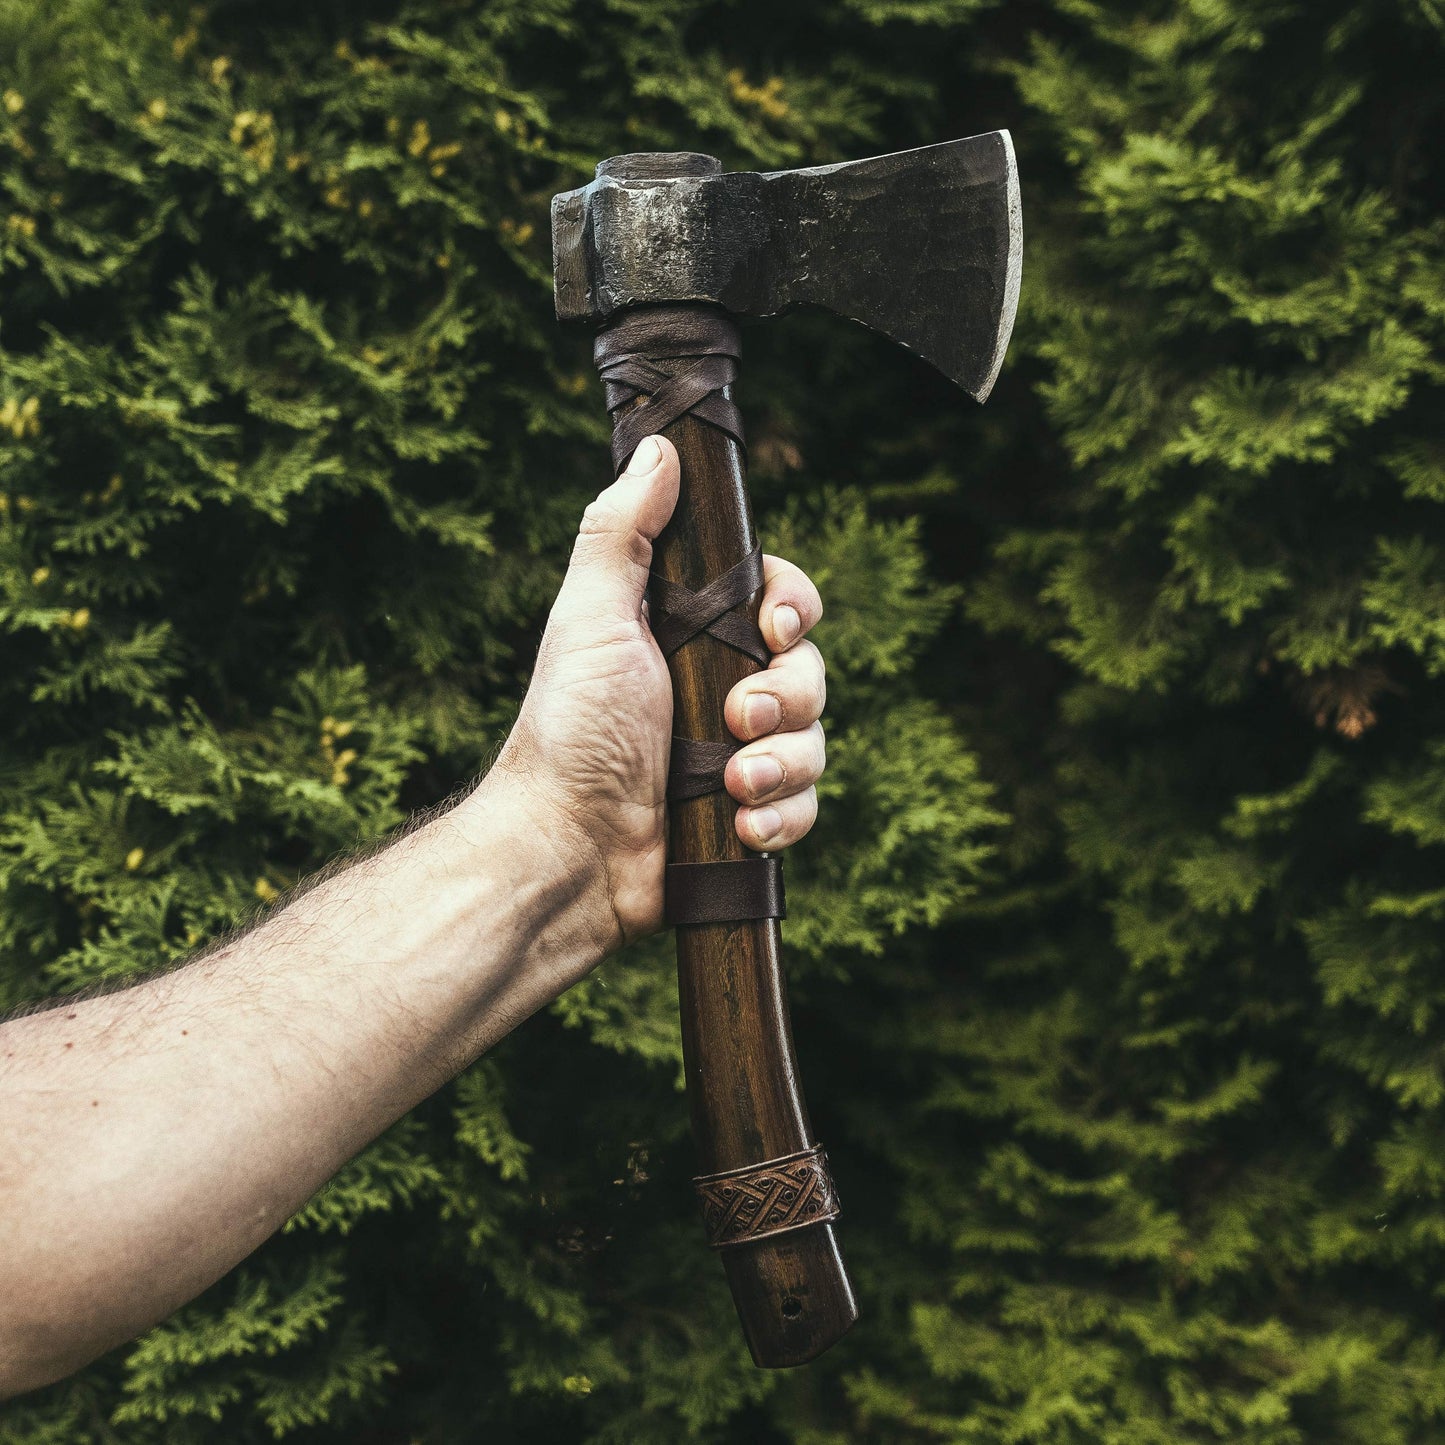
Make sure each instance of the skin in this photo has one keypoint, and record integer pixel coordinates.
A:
(150, 1139)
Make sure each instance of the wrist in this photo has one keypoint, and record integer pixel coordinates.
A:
(551, 869)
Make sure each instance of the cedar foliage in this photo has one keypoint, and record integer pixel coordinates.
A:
(1116, 957)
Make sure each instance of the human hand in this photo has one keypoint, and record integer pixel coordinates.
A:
(590, 746)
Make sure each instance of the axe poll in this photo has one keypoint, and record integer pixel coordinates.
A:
(663, 253)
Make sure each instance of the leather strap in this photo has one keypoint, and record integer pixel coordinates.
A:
(660, 364)
(727, 892)
(677, 614)
(697, 767)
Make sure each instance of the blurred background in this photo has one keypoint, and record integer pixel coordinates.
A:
(1117, 957)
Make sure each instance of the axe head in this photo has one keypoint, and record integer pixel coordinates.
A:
(923, 245)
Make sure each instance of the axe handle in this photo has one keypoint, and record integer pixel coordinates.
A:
(792, 1291)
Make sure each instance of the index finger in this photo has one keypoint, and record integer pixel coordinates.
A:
(790, 606)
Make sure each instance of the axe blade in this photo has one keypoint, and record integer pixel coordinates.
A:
(924, 246)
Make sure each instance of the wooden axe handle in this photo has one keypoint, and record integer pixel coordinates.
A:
(792, 1291)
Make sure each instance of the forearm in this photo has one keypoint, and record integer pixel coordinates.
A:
(151, 1139)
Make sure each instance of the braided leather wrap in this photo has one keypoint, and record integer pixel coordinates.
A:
(660, 364)
(669, 361)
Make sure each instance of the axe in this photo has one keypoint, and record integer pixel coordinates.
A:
(662, 253)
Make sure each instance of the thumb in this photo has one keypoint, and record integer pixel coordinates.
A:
(610, 560)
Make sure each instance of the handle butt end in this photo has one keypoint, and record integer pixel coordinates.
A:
(793, 1295)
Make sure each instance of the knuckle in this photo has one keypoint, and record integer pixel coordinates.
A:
(806, 697)
(805, 659)
(606, 526)
(805, 597)
(799, 814)
(810, 808)
(600, 517)
(820, 684)
(818, 749)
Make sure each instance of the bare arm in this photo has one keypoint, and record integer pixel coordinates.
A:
(151, 1139)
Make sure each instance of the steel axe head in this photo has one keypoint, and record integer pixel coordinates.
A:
(925, 245)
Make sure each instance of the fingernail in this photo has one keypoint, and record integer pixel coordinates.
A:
(786, 624)
(766, 824)
(645, 458)
(761, 775)
(761, 714)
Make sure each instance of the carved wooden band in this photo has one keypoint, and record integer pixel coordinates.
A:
(741, 1205)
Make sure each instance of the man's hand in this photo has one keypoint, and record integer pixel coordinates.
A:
(591, 744)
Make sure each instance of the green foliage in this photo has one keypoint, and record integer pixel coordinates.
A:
(1225, 1067)
(1117, 955)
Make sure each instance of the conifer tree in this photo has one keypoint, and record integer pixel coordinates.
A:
(293, 451)
(1115, 955)
(1192, 1092)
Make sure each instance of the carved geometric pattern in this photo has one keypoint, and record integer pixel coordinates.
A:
(740, 1205)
